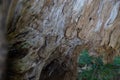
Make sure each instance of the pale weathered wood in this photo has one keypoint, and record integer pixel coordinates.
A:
(47, 36)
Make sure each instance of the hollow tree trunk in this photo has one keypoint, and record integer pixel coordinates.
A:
(46, 36)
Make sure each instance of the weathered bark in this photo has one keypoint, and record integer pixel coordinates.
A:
(46, 36)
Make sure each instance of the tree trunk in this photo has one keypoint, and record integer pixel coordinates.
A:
(46, 36)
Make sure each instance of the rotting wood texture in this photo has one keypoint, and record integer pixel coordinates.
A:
(46, 36)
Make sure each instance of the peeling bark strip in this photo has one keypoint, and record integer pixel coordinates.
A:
(44, 33)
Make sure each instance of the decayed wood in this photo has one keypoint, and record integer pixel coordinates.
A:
(47, 36)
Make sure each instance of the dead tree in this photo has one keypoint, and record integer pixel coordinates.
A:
(46, 36)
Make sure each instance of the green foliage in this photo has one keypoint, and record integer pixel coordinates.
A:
(92, 68)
